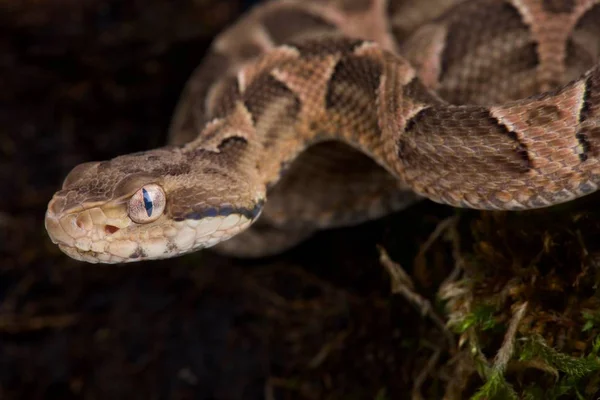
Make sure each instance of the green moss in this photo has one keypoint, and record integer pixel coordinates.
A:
(592, 320)
(496, 387)
(536, 348)
(482, 317)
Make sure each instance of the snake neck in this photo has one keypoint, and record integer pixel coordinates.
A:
(524, 154)
(297, 96)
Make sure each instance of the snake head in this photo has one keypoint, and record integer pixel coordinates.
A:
(156, 204)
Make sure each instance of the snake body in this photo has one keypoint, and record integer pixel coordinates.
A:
(311, 114)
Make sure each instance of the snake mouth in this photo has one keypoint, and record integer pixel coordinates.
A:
(65, 237)
(80, 238)
(81, 255)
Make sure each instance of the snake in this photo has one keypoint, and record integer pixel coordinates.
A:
(307, 115)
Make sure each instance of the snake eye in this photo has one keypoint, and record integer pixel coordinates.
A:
(147, 204)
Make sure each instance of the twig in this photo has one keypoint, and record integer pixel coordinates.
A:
(508, 345)
(403, 284)
(437, 232)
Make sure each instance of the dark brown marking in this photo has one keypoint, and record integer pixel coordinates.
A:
(286, 24)
(405, 151)
(492, 76)
(419, 93)
(584, 52)
(520, 149)
(524, 58)
(585, 145)
(327, 45)
(232, 142)
(265, 90)
(356, 71)
(410, 124)
(490, 18)
(226, 97)
(589, 139)
(110, 229)
(588, 24)
(399, 31)
(558, 6)
(470, 125)
(578, 59)
(356, 6)
(543, 115)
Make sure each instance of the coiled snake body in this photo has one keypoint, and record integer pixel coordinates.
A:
(321, 113)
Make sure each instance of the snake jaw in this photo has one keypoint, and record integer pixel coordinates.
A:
(183, 238)
(85, 234)
(108, 236)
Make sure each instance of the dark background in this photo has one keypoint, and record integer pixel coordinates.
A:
(90, 80)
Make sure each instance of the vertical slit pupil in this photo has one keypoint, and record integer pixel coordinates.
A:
(147, 202)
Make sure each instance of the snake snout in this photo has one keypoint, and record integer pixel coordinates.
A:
(57, 233)
(73, 227)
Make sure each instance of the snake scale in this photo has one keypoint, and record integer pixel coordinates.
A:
(309, 114)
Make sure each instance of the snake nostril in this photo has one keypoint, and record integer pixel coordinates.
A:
(110, 229)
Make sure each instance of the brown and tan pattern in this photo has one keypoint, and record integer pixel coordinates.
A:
(313, 114)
